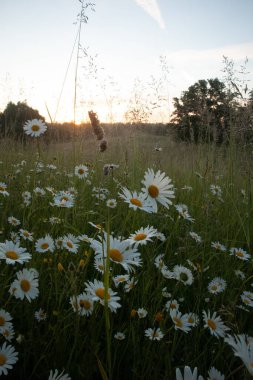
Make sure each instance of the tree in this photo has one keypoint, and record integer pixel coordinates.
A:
(13, 118)
(202, 112)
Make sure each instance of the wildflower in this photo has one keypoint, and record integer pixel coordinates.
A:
(40, 315)
(40, 192)
(183, 274)
(243, 348)
(35, 127)
(95, 123)
(182, 209)
(188, 374)
(96, 290)
(13, 221)
(240, 274)
(195, 236)
(240, 254)
(26, 195)
(60, 267)
(112, 203)
(82, 304)
(216, 190)
(119, 336)
(54, 220)
(13, 253)
(63, 199)
(119, 252)
(3, 190)
(99, 264)
(142, 236)
(154, 334)
(172, 305)
(53, 375)
(214, 324)
(180, 321)
(26, 235)
(70, 242)
(8, 357)
(109, 167)
(218, 246)
(26, 284)
(158, 188)
(136, 200)
(214, 374)
(45, 244)
(130, 284)
(160, 236)
(120, 279)
(81, 171)
(5, 319)
(247, 298)
(8, 332)
(193, 319)
(159, 262)
(217, 285)
(142, 313)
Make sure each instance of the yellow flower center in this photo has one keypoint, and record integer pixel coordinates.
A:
(25, 285)
(140, 236)
(2, 359)
(26, 234)
(116, 255)
(136, 202)
(11, 255)
(155, 334)
(100, 292)
(2, 321)
(44, 245)
(153, 191)
(69, 244)
(35, 128)
(214, 287)
(190, 320)
(85, 304)
(239, 254)
(173, 306)
(64, 199)
(2, 188)
(81, 171)
(183, 276)
(211, 324)
(178, 322)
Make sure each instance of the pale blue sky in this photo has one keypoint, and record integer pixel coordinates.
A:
(125, 38)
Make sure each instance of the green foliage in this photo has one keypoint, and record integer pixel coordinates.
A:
(13, 118)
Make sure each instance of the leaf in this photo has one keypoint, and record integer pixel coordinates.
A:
(101, 369)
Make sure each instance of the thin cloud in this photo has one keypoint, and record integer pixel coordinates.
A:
(152, 8)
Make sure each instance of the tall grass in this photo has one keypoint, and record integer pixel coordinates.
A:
(85, 347)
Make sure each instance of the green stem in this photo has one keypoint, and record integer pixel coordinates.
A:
(107, 312)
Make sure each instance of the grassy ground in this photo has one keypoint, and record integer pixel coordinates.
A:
(85, 346)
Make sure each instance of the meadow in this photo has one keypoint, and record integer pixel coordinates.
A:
(131, 263)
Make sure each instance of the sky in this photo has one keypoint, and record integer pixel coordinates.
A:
(142, 52)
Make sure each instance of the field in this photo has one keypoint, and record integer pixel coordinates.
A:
(98, 283)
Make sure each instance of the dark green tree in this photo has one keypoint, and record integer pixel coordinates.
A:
(202, 112)
(14, 117)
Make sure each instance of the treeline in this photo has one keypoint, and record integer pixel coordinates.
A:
(207, 112)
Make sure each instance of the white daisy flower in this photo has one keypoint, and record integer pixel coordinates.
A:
(160, 236)
(142, 236)
(39, 191)
(81, 171)
(111, 203)
(3, 190)
(99, 264)
(96, 290)
(57, 375)
(82, 304)
(26, 235)
(13, 221)
(180, 321)
(35, 127)
(214, 324)
(120, 252)
(216, 190)
(120, 279)
(136, 200)
(142, 313)
(247, 298)
(172, 305)
(8, 333)
(214, 374)
(217, 285)
(26, 285)
(159, 262)
(119, 336)
(130, 284)
(45, 244)
(183, 274)
(188, 374)
(70, 242)
(40, 315)
(218, 246)
(195, 236)
(243, 348)
(182, 209)
(12, 253)
(154, 334)
(8, 357)
(5, 319)
(240, 254)
(63, 199)
(193, 319)
(158, 188)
